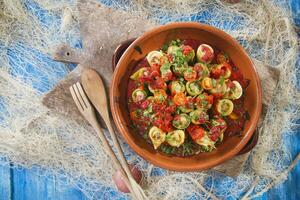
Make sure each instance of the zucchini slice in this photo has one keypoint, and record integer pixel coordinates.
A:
(225, 107)
(185, 109)
(202, 70)
(179, 69)
(157, 136)
(194, 88)
(207, 83)
(173, 49)
(160, 95)
(190, 74)
(175, 138)
(165, 70)
(190, 55)
(225, 67)
(219, 87)
(156, 58)
(199, 116)
(217, 121)
(176, 87)
(136, 75)
(181, 121)
(138, 95)
(206, 142)
(236, 92)
(188, 106)
(202, 102)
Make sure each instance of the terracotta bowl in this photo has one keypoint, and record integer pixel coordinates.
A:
(153, 40)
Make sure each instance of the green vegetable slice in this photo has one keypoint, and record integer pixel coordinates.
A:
(138, 95)
(190, 57)
(199, 117)
(225, 107)
(165, 69)
(175, 138)
(157, 136)
(219, 87)
(173, 49)
(181, 121)
(179, 69)
(177, 87)
(194, 88)
(206, 143)
(156, 58)
(185, 109)
(136, 75)
(236, 92)
(160, 95)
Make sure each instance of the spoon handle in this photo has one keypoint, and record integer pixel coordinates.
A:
(112, 155)
(95, 90)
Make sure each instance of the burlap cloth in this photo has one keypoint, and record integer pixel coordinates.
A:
(98, 27)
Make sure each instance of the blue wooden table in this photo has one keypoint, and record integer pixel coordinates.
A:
(25, 184)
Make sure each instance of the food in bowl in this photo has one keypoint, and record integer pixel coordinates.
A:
(186, 97)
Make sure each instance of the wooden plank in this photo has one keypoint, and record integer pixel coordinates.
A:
(27, 185)
(5, 181)
(288, 190)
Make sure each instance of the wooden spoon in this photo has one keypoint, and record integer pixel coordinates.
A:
(95, 90)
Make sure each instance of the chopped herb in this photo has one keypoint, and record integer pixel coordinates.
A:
(164, 48)
(205, 149)
(138, 111)
(167, 149)
(165, 68)
(179, 59)
(195, 117)
(168, 137)
(177, 111)
(176, 42)
(148, 112)
(176, 123)
(187, 147)
(132, 126)
(138, 49)
(247, 115)
(181, 80)
(222, 80)
(145, 136)
(146, 89)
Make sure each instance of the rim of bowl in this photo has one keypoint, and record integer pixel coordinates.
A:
(201, 166)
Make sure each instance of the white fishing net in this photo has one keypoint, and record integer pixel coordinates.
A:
(31, 135)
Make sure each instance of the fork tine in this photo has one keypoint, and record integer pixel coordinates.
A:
(83, 95)
(79, 97)
(75, 98)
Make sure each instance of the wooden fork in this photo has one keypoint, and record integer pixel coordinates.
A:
(88, 113)
(95, 90)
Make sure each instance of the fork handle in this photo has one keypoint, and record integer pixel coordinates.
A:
(110, 152)
(95, 90)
